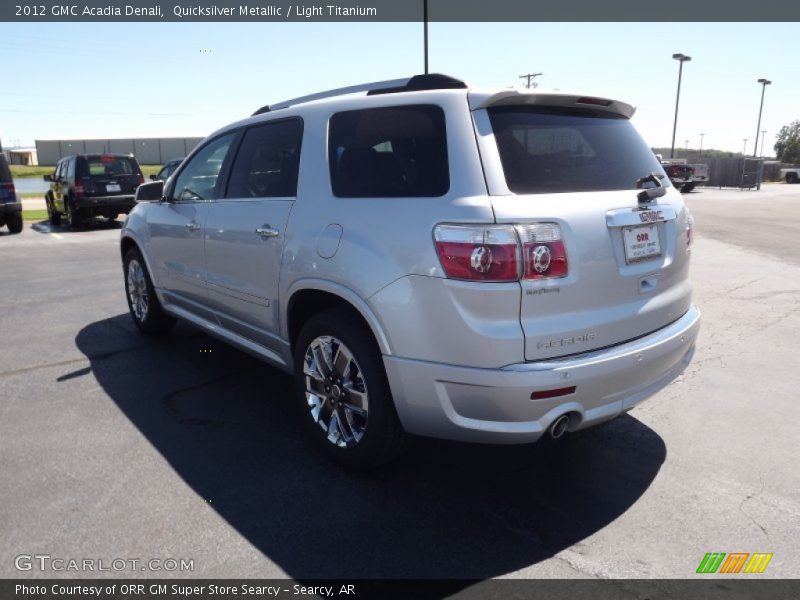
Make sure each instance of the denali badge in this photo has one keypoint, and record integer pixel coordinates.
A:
(575, 339)
(651, 216)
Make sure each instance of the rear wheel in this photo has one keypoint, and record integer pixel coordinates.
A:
(143, 304)
(74, 216)
(52, 213)
(343, 393)
(791, 178)
(14, 223)
(687, 187)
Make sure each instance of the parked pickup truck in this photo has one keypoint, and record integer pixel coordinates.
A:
(680, 174)
(700, 176)
(791, 175)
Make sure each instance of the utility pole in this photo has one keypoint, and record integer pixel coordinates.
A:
(701, 143)
(681, 58)
(425, 20)
(764, 83)
(529, 79)
(744, 149)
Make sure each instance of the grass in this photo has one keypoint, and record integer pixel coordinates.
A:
(30, 195)
(22, 171)
(34, 215)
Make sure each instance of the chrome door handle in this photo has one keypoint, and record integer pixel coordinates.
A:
(265, 231)
(192, 226)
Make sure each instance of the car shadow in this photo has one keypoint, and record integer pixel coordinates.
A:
(227, 425)
(89, 225)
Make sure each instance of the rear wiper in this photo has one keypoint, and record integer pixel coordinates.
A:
(649, 194)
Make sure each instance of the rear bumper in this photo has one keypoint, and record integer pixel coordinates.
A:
(122, 203)
(494, 405)
(8, 208)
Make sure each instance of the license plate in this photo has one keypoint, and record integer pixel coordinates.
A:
(641, 242)
(113, 187)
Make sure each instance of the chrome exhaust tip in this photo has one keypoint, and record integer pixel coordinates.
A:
(559, 427)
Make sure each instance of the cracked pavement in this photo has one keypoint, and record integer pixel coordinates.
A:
(112, 445)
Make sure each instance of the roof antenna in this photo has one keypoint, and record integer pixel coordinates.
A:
(425, 20)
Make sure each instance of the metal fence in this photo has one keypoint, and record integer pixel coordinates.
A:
(735, 172)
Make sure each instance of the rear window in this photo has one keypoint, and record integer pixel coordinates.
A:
(105, 166)
(552, 150)
(389, 152)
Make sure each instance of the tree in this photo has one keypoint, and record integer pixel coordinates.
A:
(787, 148)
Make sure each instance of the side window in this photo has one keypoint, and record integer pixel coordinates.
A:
(197, 182)
(69, 170)
(267, 162)
(389, 152)
(59, 170)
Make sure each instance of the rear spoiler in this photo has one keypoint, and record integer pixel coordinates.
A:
(511, 97)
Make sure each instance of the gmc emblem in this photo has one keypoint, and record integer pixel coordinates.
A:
(651, 216)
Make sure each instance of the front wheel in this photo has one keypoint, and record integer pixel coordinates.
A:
(791, 178)
(343, 393)
(143, 304)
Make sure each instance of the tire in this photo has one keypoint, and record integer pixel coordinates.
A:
(74, 217)
(792, 178)
(366, 432)
(687, 187)
(145, 309)
(14, 223)
(52, 213)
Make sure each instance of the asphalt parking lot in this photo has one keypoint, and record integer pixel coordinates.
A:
(113, 445)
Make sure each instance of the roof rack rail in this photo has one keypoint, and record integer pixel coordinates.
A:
(432, 81)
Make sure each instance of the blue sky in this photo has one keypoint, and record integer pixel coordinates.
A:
(102, 80)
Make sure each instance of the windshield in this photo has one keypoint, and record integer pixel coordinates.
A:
(554, 149)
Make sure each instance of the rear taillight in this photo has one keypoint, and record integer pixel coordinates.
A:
(478, 252)
(501, 252)
(543, 252)
(689, 230)
(140, 179)
(78, 190)
(7, 192)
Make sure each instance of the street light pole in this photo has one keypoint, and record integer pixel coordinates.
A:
(701, 143)
(681, 58)
(744, 148)
(425, 19)
(763, 137)
(764, 83)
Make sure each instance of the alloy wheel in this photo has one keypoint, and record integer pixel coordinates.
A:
(137, 290)
(336, 391)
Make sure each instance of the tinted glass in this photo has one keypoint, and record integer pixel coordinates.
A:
(198, 180)
(5, 172)
(389, 152)
(551, 150)
(267, 162)
(106, 166)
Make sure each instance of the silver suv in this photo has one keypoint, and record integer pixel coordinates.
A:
(479, 265)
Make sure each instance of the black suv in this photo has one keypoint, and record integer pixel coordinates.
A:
(10, 205)
(167, 170)
(91, 185)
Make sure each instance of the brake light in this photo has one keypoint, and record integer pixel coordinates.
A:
(78, 190)
(140, 179)
(544, 255)
(689, 230)
(7, 192)
(478, 252)
(501, 252)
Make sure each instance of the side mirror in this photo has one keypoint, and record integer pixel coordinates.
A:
(150, 192)
(48, 177)
(153, 178)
